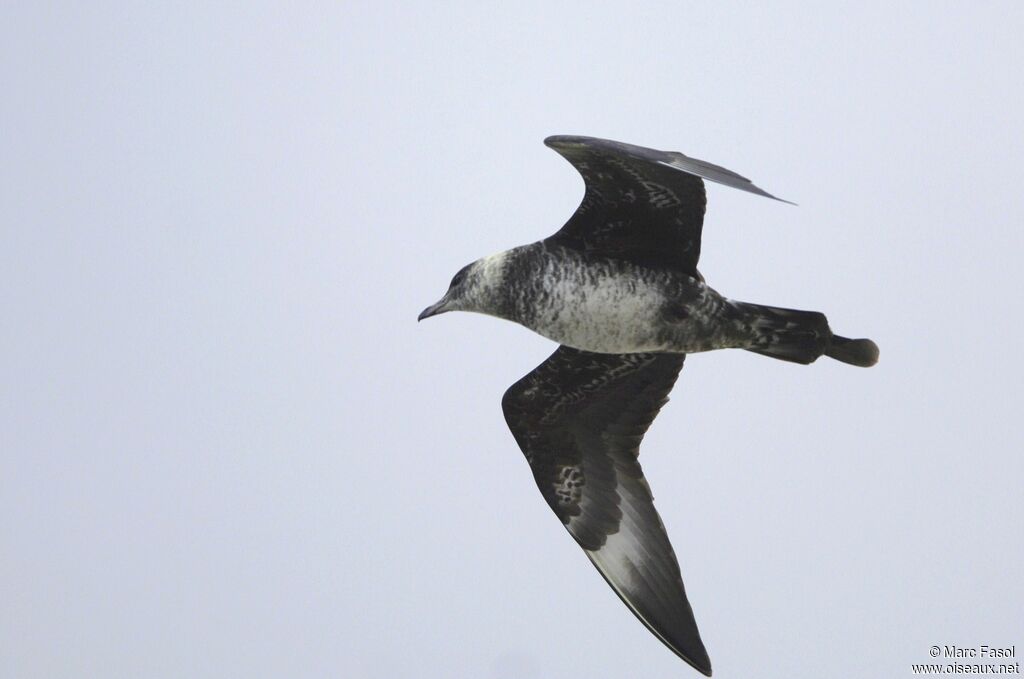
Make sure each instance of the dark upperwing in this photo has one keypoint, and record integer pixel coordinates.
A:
(641, 205)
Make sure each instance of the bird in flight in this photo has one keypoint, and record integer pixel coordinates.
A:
(618, 288)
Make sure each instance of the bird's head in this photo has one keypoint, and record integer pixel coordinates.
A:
(474, 288)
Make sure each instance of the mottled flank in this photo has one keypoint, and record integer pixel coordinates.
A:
(618, 288)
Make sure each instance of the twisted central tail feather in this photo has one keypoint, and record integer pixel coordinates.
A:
(859, 352)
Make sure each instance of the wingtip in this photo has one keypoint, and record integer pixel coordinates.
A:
(758, 191)
(685, 642)
(765, 194)
(701, 664)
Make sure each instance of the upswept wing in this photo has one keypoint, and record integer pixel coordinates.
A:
(579, 418)
(640, 204)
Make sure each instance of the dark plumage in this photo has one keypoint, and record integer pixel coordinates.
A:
(618, 287)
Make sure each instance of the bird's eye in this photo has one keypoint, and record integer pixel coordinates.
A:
(459, 277)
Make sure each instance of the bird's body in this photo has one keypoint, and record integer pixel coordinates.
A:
(618, 288)
(609, 306)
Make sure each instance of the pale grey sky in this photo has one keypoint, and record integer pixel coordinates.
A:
(228, 450)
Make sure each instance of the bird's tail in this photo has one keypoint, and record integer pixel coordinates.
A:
(803, 336)
(859, 352)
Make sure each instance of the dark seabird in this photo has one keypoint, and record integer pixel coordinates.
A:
(618, 288)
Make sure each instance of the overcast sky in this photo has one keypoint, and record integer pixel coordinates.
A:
(227, 449)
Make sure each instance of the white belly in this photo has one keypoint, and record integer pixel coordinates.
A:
(615, 315)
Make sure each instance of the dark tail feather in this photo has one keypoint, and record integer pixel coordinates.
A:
(803, 352)
(788, 334)
(803, 336)
(859, 352)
